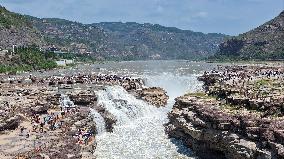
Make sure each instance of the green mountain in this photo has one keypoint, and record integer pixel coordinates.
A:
(16, 29)
(111, 40)
(155, 41)
(70, 36)
(129, 40)
(264, 42)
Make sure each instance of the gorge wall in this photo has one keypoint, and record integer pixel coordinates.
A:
(233, 118)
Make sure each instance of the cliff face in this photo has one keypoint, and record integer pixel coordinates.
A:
(15, 29)
(264, 42)
(239, 116)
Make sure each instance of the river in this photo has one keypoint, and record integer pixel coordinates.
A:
(139, 132)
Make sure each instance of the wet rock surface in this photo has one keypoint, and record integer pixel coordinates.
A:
(40, 108)
(153, 95)
(233, 118)
(83, 98)
(109, 118)
(9, 123)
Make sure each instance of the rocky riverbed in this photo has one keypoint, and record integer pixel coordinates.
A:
(53, 117)
(238, 115)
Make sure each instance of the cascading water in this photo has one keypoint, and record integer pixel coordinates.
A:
(139, 132)
(122, 105)
(175, 85)
(99, 120)
(65, 101)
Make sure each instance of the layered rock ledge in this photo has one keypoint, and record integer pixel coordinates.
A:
(233, 118)
(153, 95)
(33, 126)
(52, 117)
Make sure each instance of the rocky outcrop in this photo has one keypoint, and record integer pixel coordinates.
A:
(9, 119)
(67, 149)
(9, 123)
(66, 146)
(153, 95)
(211, 131)
(110, 119)
(81, 120)
(40, 109)
(233, 118)
(83, 98)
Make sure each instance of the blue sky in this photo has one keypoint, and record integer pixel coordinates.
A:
(219, 16)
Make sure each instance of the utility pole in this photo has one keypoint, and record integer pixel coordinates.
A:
(13, 50)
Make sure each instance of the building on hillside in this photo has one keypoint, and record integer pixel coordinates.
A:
(60, 52)
(3, 53)
(68, 62)
(64, 62)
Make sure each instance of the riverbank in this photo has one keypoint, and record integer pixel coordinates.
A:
(239, 114)
(52, 116)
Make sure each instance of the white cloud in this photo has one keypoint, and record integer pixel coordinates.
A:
(160, 9)
(201, 14)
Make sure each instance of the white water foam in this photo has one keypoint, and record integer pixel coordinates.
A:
(139, 132)
(99, 120)
(174, 84)
(65, 101)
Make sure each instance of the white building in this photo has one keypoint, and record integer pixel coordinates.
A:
(64, 62)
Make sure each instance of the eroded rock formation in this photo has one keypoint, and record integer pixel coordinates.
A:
(229, 120)
(153, 95)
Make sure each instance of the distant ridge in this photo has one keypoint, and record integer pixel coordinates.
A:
(153, 40)
(110, 40)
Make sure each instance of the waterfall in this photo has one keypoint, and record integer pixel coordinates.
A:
(65, 102)
(122, 105)
(139, 132)
(175, 85)
(99, 120)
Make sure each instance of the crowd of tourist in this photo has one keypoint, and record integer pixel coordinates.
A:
(53, 121)
(253, 82)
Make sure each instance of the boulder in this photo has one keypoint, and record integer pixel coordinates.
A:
(154, 95)
(110, 120)
(10, 123)
(40, 109)
(83, 98)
